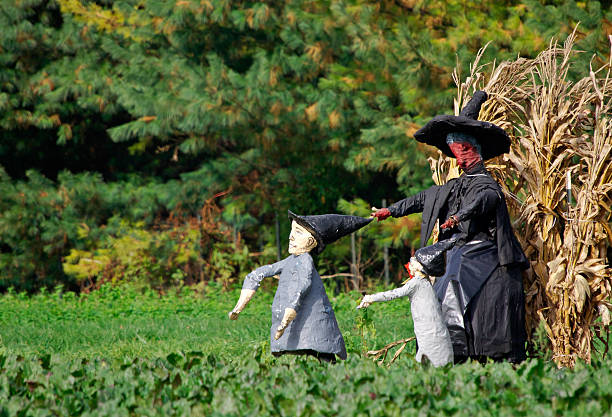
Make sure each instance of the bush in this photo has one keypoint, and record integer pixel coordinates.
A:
(81, 232)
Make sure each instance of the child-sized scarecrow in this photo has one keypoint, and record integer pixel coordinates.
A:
(303, 321)
(481, 291)
(433, 339)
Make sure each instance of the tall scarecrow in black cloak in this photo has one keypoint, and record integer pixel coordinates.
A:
(481, 290)
(303, 321)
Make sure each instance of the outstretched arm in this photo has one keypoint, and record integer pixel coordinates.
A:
(251, 283)
(416, 271)
(412, 204)
(245, 297)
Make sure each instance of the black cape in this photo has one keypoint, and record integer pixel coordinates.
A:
(481, 291)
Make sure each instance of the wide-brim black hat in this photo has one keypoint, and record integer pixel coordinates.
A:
(493, 140)
(327, 228)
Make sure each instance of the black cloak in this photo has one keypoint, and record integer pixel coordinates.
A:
(483, 268)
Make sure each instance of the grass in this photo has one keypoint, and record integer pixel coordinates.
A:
(120, 322)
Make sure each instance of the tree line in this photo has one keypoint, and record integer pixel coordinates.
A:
(163, 142)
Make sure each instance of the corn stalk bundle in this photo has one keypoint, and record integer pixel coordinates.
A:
(561, 131)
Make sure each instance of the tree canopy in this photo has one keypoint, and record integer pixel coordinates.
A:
(122, 117)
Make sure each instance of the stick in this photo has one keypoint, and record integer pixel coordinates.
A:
(375, 354)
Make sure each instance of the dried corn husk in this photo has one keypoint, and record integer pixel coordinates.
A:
(558, 127)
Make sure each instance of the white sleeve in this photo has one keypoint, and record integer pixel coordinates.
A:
(402, 291)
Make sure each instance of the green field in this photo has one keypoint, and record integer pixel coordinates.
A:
(124, 352)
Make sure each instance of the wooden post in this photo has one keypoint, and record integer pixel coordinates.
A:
(386, 252)
(354, 270)
(235, 231)
(278, 243)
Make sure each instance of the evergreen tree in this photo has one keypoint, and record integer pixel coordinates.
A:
(275, 104)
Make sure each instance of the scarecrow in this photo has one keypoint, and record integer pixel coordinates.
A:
(433, 340)
(481, 290)
(303, 321)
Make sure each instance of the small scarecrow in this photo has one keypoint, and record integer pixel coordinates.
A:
(481, 291)
(433, 340)
(303, 321)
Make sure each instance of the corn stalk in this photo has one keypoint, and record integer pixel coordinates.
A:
(558, 129)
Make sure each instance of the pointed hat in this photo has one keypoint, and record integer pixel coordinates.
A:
(493, 139)
(327, 228)
(432, 257)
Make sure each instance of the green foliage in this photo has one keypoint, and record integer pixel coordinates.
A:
(118, 351)
(141, 256)
(33, 233)
(194, 383)
(277, 104)
(83, 231)
(119, 321)
(155, 142)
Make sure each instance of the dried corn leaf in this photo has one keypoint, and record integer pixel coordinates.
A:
(581, 292)
(556, 271)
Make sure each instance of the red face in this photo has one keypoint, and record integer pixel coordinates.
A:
(466, 154)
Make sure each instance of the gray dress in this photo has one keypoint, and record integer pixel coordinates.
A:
(431, 333)
(300, 288)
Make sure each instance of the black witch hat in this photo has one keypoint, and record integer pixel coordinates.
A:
(493, 139)
(327, 228)
(432, 257)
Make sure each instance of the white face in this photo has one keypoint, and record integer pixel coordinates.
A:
(300, 240)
